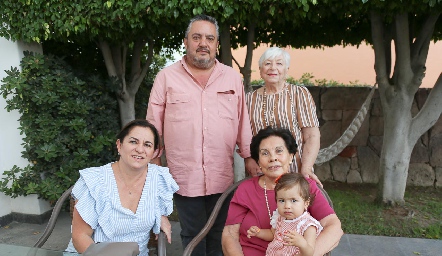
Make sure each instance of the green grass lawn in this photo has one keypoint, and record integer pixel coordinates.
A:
(420, 217)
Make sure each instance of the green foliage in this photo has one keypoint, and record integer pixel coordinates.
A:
(70, 124)
(307, 80)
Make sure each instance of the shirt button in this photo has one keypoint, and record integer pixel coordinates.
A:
(204, 109)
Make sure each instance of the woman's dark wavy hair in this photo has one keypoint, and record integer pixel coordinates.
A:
(139, 123)
(283, 133)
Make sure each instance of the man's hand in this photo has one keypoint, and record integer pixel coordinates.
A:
(252, 167)
(308, 173)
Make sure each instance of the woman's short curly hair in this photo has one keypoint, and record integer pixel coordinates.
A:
(283, 133)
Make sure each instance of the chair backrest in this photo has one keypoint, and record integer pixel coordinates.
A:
(195, 241)
(53, 219)
(162, 240)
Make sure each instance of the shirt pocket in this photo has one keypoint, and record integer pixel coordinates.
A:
(177, 107)
(227, 104)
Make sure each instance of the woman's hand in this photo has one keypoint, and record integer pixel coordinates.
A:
(166, 228)
(310, 149)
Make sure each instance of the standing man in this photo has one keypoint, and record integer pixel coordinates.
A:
(198, 106)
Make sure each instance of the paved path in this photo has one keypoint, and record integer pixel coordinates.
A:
(352, 245)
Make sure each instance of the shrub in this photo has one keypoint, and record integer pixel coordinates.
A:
(70, 124)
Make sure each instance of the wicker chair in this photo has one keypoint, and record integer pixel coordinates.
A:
(161, 247)
(195, 241)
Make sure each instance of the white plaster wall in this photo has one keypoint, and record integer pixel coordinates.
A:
(10, 139)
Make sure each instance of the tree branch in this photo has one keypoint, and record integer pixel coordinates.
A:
(402, 46)
(135, 66)
(419, 49)
(116, 56)
(236, 62)
(145, 69)
(107, 56)
(430, 112)
(379, 50)
(226, 48)
(247, 71)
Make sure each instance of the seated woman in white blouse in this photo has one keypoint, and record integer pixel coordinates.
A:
(124, 200)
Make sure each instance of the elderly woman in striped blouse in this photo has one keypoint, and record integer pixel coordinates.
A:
(122, 201)
(282, 105)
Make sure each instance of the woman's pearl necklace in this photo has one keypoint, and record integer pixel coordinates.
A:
(267, 200)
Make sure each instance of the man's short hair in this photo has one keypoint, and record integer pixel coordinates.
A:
(203, 17)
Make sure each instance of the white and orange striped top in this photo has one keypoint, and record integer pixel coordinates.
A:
(292, 108)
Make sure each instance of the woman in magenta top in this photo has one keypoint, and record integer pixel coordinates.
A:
(254, 201)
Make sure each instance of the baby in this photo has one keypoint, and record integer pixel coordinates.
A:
(294, 230)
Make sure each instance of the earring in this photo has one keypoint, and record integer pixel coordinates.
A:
(118, 153)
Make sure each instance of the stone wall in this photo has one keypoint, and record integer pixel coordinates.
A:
(359, 162)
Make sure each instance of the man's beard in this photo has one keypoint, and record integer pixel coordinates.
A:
(202, 63)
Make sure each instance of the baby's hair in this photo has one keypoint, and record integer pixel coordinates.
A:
(291, 179)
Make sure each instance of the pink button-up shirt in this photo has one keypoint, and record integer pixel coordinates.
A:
(200, 126)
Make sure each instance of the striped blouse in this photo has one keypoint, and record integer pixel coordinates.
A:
(282, 112)
(99, 205)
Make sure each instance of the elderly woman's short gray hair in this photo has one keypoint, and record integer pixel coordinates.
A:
(272, 53)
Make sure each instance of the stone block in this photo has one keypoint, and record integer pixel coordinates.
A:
(354, 177)
(375, 143)
(315, 91)
(376, 126)
(354, 163)
(323, 172)
(330, 132)
(420, 175)
(414, 109)
(349, 152)
(332, 115)
(340, 167)
(438, 171)
(361, 137)
(436, 150)
(421, 96)
(376, 107)
(420, 153)
(350, 98)
(437, 128)
(368, 164)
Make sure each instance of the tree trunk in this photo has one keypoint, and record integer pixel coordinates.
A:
(226, 48)
(127, 108)
(247, 69)
(115, 61)
(396, 150)
(401, 130)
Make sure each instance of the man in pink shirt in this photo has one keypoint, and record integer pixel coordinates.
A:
(198, 106)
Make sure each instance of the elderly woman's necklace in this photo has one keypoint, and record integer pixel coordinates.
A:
(267, 200)
(264, 105)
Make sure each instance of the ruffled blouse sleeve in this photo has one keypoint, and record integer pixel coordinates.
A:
(91, 195)
(274, 219)
(167, 186)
